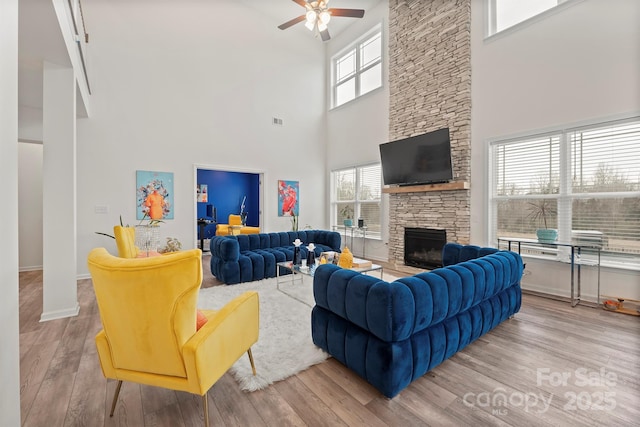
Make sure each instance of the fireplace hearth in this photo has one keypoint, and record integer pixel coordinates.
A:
(423, 247)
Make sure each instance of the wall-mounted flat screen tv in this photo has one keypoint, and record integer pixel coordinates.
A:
(421, 159)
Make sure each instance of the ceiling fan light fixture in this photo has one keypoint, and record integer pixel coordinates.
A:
(311, 16)
(317, 15)
(324, 17)
(310, 25)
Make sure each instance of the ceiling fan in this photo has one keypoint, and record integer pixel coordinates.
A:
(318, 16)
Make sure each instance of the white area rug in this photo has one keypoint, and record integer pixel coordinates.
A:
(284, 346)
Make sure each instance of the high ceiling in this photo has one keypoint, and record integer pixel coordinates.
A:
(281, 11)
(40, 38)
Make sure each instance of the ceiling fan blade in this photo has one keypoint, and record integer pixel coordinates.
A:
(301, 3)
(294, 21)
(325, 35)
(349, 13)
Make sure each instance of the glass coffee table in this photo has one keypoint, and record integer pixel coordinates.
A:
(298, 273)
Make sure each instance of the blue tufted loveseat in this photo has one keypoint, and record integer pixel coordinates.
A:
(245, 258)
(393, 333)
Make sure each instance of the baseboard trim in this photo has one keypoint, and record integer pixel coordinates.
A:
(60, 314)
(583, 302)
(30, 268)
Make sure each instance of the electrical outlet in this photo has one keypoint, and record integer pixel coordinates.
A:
(101, 209)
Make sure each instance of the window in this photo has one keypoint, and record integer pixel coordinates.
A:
(358, 69)
(357, 193)
(503, 14)
(588, 178)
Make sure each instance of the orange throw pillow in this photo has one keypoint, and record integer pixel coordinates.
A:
(201, 319)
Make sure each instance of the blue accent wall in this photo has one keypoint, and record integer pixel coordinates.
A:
(226, 191)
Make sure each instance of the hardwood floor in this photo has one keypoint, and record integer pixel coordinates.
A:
(549, 365)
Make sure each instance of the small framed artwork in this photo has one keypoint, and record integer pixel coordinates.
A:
(154, 195)
(202, 193)
(288, 198)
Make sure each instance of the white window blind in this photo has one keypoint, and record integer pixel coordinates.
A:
(357, 191)
(529, 166)
(606, 159)
(527, 175)
(369, 196)
(605, 176)
(588, 178)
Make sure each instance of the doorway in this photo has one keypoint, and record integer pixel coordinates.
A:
(222, 192)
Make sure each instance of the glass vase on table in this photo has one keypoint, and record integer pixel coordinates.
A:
(148, 238)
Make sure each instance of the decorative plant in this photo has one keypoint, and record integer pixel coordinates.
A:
(243, 213)
(173, 245)
(151, 223)
(540, 209)
(346, 212)
(109, 235)
(347, 215)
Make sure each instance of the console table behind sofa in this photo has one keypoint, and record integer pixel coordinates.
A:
(245, 258)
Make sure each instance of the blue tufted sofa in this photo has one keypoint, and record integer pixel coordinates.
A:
(393, 333)
(245, 258)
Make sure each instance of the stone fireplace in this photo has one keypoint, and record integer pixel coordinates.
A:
(430, 89)
(423, 247)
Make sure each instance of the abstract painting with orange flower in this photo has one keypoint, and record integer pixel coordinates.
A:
(288, 198)
(154, 195)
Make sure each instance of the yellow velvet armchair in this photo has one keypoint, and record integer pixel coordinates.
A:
(126, 241)
(235, 227)
(148, 312)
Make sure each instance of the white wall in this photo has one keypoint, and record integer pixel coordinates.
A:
(580, 64)
(9, 318)
(30, 122)
(172, 90)
(197, 83)
(356, 129)
(30, 205)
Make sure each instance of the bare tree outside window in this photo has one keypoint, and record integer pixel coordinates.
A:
(601, 193)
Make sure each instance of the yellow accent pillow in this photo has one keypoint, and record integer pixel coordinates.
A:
(346, 258)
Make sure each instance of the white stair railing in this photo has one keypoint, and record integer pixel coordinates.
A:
(76, 37)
